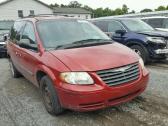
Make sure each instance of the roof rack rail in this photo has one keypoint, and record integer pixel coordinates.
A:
(46, 15)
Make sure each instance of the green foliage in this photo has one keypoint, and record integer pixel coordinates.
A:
(100, 12)
(161, 8)
(74, 4)
(146, 10)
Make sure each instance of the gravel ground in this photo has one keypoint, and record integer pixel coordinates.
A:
(21, 105)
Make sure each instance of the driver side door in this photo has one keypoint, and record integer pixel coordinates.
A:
(29, 54)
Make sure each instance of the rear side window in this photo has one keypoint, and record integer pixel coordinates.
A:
(156, 23)
(114, 26)
(16, 31)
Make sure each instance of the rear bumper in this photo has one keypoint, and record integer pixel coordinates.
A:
(106, 97)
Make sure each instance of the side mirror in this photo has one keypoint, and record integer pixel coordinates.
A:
(25, 43)
(121, 32)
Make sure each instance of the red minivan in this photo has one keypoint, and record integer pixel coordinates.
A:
(74, 64)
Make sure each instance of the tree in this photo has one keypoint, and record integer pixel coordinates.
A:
(132, 12)
(161, 8)
(86, 7)
(54, 5)
(125, 9)
(146, 10)
(63, 6)
(98, 12)
(118, 11)
(75, 4)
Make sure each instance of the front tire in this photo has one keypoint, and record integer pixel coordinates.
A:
(141, 51)
(50, 96)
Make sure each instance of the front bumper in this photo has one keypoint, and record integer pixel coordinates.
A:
(161, 51)
(97, 97)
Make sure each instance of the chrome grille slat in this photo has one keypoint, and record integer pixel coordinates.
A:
(120, 79)
(121, 75)
(114, 74)
(117, 76)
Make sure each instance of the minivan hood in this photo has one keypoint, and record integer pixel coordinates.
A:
(154, 33)
(96, 58)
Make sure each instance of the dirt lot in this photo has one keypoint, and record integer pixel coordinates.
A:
(21, 105)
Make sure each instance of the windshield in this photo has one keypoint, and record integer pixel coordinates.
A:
(54, 33)
(6, 25)
(137, 25)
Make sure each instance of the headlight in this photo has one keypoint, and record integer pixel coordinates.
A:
(141, 62)
(156, 40)
(81, 78)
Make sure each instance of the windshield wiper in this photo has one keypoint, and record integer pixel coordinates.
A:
(84, 43)
(90, 41)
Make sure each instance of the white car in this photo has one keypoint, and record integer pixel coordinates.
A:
(159, 23)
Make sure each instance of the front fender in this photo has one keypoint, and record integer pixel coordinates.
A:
(48, 72)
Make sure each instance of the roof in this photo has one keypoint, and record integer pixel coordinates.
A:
(154, 17)
(7, 1)
(71, 10)
(113, 18)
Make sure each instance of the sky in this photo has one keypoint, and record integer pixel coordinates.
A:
(136, 5)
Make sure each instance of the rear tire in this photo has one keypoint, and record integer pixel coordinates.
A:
(15, 73)
(50, 96)
(141, 51)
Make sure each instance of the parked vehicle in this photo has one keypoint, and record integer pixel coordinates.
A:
(4, 30)
(159, 23)
(136, 34)
(75, 65)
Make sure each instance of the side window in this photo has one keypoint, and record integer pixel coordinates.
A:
(29, 34)
(156, 23)
(114, 26)
(16, 30)
(103, 25)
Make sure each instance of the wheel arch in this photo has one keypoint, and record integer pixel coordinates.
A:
(44, 71)
(132, 42)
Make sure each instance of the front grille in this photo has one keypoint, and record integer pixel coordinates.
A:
(121, 75)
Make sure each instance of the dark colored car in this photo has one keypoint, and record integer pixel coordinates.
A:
(75, 65)
(136, 34)
(5, 27)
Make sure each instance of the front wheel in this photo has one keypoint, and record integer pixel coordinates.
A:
(50, 96)
(142, 52)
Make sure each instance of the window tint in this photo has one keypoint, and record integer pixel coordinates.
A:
(114, 26)
(28, 33)
(16, 31)
(103, 25)
(156, 23)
